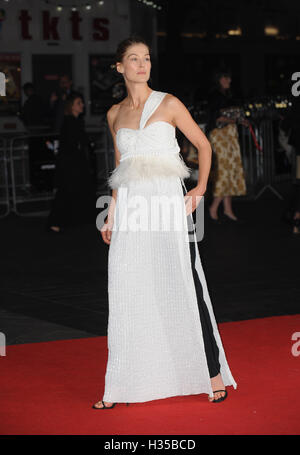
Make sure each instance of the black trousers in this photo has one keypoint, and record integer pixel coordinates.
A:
(211, 348)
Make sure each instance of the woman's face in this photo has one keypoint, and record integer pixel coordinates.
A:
(225, 82)
(136, 63)
(77, 107)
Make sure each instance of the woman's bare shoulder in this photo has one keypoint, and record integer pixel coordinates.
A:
(172, 101)
(174, 104)
(113, 111)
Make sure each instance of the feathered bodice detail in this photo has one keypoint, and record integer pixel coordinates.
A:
(150, 151)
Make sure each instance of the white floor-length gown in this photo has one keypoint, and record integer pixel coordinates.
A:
(155, 336)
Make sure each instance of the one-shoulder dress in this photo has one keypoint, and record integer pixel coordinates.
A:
(162, 335)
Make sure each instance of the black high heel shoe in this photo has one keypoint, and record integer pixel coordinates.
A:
(220, 399)
(105, 407)
(214, 220)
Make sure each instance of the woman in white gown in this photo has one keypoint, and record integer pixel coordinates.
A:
(163, 338)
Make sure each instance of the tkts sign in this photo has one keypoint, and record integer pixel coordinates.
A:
(50, 26)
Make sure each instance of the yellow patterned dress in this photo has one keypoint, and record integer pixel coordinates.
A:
(228, 174)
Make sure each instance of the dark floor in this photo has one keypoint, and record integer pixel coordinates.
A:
(55, 287)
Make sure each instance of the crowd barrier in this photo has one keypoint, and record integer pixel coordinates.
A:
(264, 161)
(4, 186)
(27, 198)
(19, 195)
(273, 165)
(28, 169)
(253, 157)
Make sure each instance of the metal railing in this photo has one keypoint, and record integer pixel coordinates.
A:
(269, 176)
(4, 185)
(21, 197)
(265, 174)
(259, 164)
(22, 191)
(252, 157)
(18, 195)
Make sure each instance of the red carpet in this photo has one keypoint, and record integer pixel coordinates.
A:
(48, 388)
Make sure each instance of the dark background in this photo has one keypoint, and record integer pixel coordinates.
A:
(193, 40)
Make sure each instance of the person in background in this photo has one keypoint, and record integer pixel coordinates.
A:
(228, 175)
(34, 117)
(58, 99)
(75, 198)
(33, 110)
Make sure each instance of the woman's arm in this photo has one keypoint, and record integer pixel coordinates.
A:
(107, 228)
(187, 125)
(111, 116)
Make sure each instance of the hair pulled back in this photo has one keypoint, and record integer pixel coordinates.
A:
(125, 44)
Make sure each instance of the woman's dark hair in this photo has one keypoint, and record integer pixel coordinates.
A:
(28, 86)
(125, 44)
(216, 79)
(69, 102)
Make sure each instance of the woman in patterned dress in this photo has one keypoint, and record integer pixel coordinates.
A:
(228, 175)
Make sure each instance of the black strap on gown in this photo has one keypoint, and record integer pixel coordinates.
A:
(211, 348)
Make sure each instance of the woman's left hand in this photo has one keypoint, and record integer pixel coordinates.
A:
(193, 197)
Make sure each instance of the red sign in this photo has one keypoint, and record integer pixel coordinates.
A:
(50, 26)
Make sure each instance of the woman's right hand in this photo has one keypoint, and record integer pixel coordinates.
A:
(106, 230)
